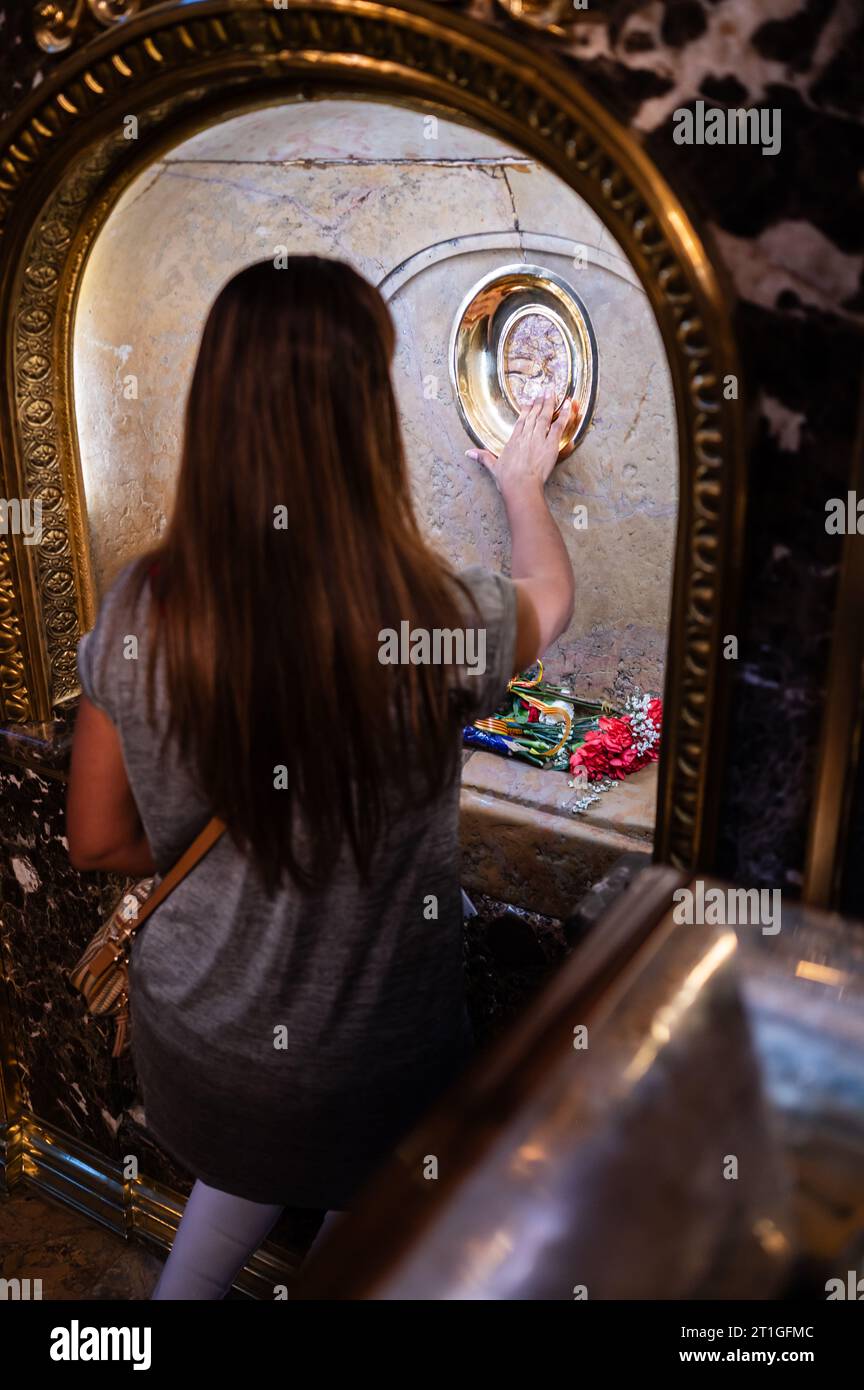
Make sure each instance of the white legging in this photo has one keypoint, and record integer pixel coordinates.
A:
(216, 1236)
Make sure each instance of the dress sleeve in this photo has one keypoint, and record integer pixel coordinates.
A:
(101, 652)
(483, 683)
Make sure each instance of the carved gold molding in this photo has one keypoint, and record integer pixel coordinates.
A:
(58, 24)
(64, 161)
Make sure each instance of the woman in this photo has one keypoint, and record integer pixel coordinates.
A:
(297, 1002)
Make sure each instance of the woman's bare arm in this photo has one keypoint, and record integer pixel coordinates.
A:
(103, 826)
(540, 565)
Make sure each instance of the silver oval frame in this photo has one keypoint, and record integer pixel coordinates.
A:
(581, 345)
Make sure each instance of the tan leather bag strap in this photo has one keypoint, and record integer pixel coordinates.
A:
(212, 831)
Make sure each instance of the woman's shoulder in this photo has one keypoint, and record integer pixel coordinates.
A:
(128, 587)
(109, 655)
(491, 621)
(490, 593)
(126, 601)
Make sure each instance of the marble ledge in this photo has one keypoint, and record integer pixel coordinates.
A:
(44, 747)
(629, 808)
(522, 843)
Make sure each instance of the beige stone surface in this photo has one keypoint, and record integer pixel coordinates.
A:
(525, 855)
(623, 473)
(629, 806)
(339, 128)
(175, 237)
(522, 842)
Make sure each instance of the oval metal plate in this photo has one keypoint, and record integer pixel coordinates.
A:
(518, 330)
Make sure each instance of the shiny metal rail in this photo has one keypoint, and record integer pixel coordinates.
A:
(619, 1142)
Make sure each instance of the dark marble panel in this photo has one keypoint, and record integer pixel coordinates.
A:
(43, 747)
(49, 911)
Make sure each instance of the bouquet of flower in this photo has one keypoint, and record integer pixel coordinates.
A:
(549, 726)
(623, 744)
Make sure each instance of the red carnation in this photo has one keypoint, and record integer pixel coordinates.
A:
(616, 734)
(591, 757)
(610, 749)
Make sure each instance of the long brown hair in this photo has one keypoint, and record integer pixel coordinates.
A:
(292, 544)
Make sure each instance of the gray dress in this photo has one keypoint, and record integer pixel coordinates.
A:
(284, 1045)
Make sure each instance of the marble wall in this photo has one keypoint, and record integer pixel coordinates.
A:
(62, 1055)
(423, 207)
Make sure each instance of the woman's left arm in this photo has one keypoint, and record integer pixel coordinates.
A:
(102, 822)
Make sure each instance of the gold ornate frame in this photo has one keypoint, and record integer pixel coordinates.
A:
(64, 160)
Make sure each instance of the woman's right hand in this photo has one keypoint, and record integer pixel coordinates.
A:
(531, 452)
